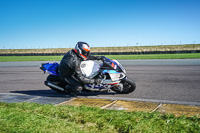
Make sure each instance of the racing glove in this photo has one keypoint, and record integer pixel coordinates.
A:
(103, 58)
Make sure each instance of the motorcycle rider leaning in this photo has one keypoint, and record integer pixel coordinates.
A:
(69, 68)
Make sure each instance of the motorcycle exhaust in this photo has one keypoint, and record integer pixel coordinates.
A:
(54, 86)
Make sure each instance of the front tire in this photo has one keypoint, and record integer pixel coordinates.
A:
(128, 86)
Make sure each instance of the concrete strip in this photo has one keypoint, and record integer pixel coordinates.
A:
(88, 102)
(133, 106)
(108, 105)
(157, 107)
(146, 100)
(15, 98)
(175, 109)
(179, 110)
(166, 108)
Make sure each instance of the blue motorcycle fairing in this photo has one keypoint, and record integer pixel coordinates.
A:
(112, 63)
(51, 68)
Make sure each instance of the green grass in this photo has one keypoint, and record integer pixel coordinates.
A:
(29, 58)
(32, 117)
(118, 57)
(155, 56)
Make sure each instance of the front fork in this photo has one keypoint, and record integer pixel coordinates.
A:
(120, 86)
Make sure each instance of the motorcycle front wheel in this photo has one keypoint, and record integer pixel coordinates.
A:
(128, 86)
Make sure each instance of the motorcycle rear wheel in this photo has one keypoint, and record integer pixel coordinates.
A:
(128, 86)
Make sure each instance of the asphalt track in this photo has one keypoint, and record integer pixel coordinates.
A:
(174, 81)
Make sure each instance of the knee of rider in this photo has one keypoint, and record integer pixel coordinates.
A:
(79, 88)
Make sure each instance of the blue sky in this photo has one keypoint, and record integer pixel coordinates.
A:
(62, 23)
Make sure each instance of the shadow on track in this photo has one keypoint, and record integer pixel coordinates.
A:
(51, 93)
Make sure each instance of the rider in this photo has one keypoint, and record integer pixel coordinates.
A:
(69, 68)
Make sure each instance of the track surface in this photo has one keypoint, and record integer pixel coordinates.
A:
(157, 80)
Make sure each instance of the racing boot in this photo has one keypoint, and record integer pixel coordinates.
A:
(72, 90)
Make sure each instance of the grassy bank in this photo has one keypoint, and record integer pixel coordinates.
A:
(118, 57)
(32, 117)
(107, 49)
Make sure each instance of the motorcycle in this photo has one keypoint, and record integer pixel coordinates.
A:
(111, 71)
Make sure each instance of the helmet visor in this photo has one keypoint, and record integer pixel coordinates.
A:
(85, 53)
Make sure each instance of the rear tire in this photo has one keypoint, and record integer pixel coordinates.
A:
(128, 86)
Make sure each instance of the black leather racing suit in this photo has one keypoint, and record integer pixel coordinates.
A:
(70, 72)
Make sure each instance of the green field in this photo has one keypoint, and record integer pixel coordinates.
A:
(32, 118)
(117, 57)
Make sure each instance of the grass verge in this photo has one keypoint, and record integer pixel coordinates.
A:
(29, 58)
(32, 117)
(155, 56)
(117, 57)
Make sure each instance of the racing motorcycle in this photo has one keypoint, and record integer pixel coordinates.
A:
(111, 71)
